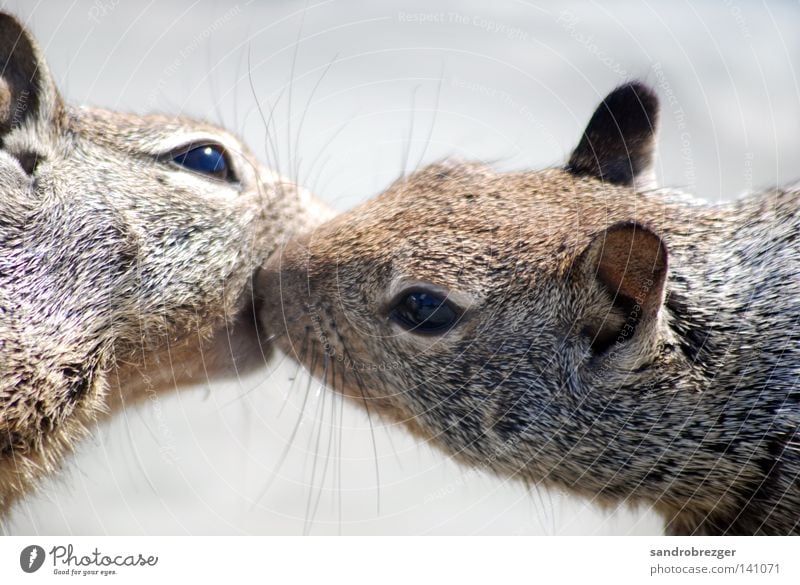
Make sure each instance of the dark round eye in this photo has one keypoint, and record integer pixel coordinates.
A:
(424, 312)
(206, 159)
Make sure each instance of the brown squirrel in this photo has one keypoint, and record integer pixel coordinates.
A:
(127, 248)
(573, 326)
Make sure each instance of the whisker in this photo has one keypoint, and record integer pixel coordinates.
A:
(388, 433)
(304, 348)
(256, 387)
(305, 112)
(314, 182)
(339, 445)
(427, 142)
(273, 337)
(361, 388)
(293, 380)
(330, 443)
(270, 145)
(289, 444)
(320, 417)
(407, 147)
(291, 89)
(263, 342)
(545, 509)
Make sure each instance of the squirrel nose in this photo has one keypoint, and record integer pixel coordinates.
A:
(283, 285)
(284, 289)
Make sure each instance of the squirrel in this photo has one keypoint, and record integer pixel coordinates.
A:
(127, 249)
(574, 327)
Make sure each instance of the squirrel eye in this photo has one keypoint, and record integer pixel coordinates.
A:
(206, 159)
(424, 313)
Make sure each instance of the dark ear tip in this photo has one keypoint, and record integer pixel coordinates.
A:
(618, 143)
(637, 88)
(632, 96)
(10, 23)
(25, 76)
(14, 39)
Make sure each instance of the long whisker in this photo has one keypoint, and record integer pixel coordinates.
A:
(388, 433)
(318, 418)
(304, 348)
(312, 183)
(330, 443)
(291, 88)
(270, 146)
(305, 112)
(361, 389)
(290, 442)
(339, 446)
(433, 121)
(273, 337)
(256, 387)
(409, 138)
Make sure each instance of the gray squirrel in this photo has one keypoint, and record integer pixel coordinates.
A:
(574, 327)
(127, 248)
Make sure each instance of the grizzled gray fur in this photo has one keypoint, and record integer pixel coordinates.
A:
(122, 274)
(589, 331)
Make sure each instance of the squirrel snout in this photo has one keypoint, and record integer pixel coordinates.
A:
(285, 270)
(283, 289)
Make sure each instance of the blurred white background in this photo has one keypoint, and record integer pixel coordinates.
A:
(365, 90)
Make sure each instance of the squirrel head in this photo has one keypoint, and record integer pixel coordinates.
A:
(493, 313)
(127, 248)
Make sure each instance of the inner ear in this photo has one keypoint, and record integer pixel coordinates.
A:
(618, 144)
(633, 265)
(629, 262)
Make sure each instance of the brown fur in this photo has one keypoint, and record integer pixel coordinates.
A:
(628, 345)
(121, 274)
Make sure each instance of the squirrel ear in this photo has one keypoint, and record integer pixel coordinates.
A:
(618, 144)
(27, 90)
(630, 261)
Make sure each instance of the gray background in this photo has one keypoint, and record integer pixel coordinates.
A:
(378, 88)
